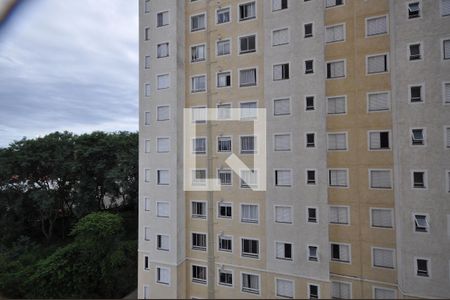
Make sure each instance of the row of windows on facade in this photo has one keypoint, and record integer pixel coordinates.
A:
(249, 77)
(250, 281)
(247, 11)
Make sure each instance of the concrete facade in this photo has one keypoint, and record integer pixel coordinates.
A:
(335, 79)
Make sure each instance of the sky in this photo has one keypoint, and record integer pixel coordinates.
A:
(69, 65)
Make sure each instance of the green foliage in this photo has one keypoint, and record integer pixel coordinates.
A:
(59, 182)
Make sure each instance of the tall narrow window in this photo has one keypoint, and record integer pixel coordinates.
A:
(446, 49)
(310, 140)
(419, 179)
(308, 30)
(445, 8)
(247, 144)
(422, 267)
(309, 66)
(309, 103)
(416, 94)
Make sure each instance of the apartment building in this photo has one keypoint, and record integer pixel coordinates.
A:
(357, 149)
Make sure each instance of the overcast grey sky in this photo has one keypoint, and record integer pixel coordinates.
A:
(69, 65)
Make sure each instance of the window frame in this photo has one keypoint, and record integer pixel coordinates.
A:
(197, 216)
(391, 180)
(386, 67)
(379, 131)
(197, 15)
(366, 22)
(239, 19)
(229, 15)
(425, 180)
(394, 258)
(391, 212)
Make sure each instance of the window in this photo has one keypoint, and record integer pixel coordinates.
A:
(447, 93)
(383, 258)
(162, 275)
(225, 277)
(283, 178)
(225, 243)
(310, 140)
(340, 252)
(248, 144)
(337, 141)
(163, 113)
(199, 145)
(198, 84)
(310, 176)
(419, 180)
(309, 103)
(313, 253)
(147, 6)
(225, 210)
(285, 288)
(147, 175)
(417, 137)
(341, 290)
(448, 186)
(198, 22)
(198, 53)
(379, 140)
(163, 145)
(223, 47)
(199, 241)
(249, 178)
(224, 144)
(162, 19)
(445, 8)
(312, 215)
(146, 292)
(162, 209)
(380, 179)
(147, 34)
(223, 15)
(247, 11)
(283, 250)
(162, 50)
(415, 94)
(247, 77)
(332, 3)
(376, 26)
(223, 111)
(247, 44)
(413, 10)
(280, 37)
(147, 146)
(279, 4)
(250, 248)
(336, 105)
(337, 178)
(281, 72)
(162, 242)
(377, 64)
(146, 263)
(313, 290)
(282, 142)
(421, 223)
(148, 60)
(248, 110)
(199, 114)
(249, 213)
(335, 33)
(198, 274)
(147, 233)
(378, 102)
(446, 49)
(415, 51)
(199, 209)
(163, 177)
(308, 30)
(250, 283)
(447, 137)
(283, 214)
(224, 79)
(339, 215)
(225, 177)
(309, 66)
(281, 107)
(382, 293)
(199, 177)
(381, 217)
(163, 81)
(422, 267)
(336, 69)
(146, 204)
(148, 90)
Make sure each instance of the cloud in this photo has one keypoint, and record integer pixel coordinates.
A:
(69, 65)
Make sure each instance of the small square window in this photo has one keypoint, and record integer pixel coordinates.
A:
(283, 251)
(199, 209)
(416, 94)
(247, 44)
(309, 66)
(223, 47)
(225, 210)
(421, 223)
(415, 52)
(198, 53)
(225, 177)
(281, 72)
(417, 137)
(224, 144)
(162, 50)
(163, 177)
(413, 10)
(199, 145)
(313, 290)
(224, 79)
(419, 179)
(281, 107)
(308, 30)
(225, 243)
